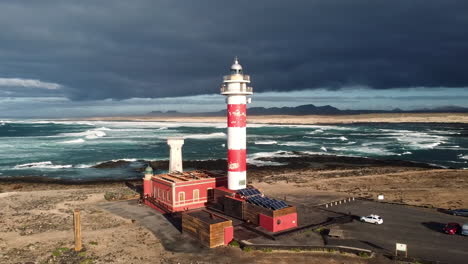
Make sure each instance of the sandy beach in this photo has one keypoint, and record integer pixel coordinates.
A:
(310, 119)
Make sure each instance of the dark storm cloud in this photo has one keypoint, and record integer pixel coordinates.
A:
(124, 49)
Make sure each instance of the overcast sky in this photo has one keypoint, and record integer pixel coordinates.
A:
(82, 58)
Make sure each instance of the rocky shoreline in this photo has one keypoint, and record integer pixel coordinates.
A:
(288, 164)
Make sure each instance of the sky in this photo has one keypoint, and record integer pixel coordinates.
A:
(94, 58)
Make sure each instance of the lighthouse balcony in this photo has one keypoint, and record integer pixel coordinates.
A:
(238, 90)
(236, 78)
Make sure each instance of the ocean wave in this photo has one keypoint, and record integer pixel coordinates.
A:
(42, 165)
(254, 158)
(206, 136)
(265, 142)
(366, 150)
(315, 132)
(74, 141)
(297, 144)
(129, 160)
(274, 154)
(88, 134)
(323, 148)
(374, 143)
(419, 140)
(465, 157)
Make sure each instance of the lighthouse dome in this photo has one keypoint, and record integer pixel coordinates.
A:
(236, 67)
(149, 170)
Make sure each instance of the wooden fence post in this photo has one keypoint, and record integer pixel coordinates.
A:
(77, 224)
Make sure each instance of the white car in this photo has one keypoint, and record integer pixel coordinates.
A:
(373, 219)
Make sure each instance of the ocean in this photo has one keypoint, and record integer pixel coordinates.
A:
(68, 149)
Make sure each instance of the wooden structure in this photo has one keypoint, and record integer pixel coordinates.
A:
(77, 228)
(210, 229)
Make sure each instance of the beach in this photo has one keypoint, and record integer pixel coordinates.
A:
(309, 119)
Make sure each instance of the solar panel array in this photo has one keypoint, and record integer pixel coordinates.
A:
(248, 192)
(254, 196)
(267, 202)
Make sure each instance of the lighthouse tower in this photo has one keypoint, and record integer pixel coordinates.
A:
(235, 87)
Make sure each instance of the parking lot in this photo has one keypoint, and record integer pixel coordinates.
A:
(419, 228)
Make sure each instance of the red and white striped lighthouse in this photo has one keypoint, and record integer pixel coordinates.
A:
(235, 88)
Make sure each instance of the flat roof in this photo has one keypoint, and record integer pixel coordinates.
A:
(207, 217)
(188, 176)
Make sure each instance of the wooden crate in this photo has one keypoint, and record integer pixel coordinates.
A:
(209, 231)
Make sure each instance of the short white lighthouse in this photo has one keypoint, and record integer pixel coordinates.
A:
(235, 87)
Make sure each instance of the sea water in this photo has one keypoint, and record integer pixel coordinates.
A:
(69, 149)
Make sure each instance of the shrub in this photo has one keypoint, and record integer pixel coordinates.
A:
(364, 255)
(234, 243)
(247, 249)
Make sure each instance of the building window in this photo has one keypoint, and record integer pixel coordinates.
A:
(168, 196)
(196, 195)
(159, 192)
(182, 197)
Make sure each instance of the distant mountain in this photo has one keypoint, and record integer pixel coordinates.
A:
(311, 109)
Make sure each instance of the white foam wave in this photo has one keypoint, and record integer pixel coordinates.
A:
(374, 143)
(42, 165)
(315, 132)
(265, 142)
(418, 140)
(323, 148)
(129, 160)
(74, 141)
(83, 166)
(366, 150)
(297, 144)
(88, 134)
(465, 157)
(254, 158)
(206, 136)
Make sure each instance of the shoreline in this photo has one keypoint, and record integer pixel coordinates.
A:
(290, 164)
(455, 118)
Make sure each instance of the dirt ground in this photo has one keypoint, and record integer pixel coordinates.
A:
(440, 188)
(36, 220)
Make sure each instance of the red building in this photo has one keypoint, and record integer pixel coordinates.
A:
(180, 191)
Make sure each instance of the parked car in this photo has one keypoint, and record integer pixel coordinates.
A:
(452, 228)
(464, 230)
(373, 219)
(460, 212)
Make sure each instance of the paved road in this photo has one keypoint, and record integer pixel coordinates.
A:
(419, 228)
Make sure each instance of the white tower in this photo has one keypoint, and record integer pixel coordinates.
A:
(175, 156)
(235, 88)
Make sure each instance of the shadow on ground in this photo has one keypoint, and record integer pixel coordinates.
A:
(434, 226)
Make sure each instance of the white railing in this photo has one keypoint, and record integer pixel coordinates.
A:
(225, 89)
